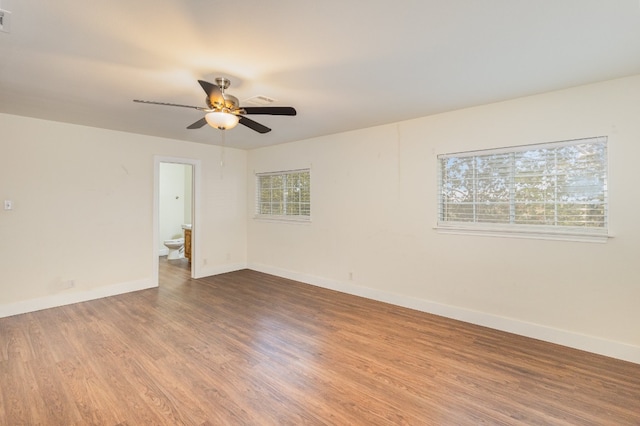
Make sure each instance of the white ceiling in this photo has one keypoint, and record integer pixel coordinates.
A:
(343, 65)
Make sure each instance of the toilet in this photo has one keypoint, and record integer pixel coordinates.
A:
(175, 248)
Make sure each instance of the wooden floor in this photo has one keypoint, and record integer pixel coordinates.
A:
(246, 348)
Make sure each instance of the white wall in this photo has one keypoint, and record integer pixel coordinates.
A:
(174, 201)
(83, 211)
(374, 204)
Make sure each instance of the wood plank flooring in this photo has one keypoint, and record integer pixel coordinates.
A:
(246, 348)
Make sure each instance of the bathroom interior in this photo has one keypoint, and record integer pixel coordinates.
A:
(175, 210)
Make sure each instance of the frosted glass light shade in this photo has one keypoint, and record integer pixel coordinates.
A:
(222, 120)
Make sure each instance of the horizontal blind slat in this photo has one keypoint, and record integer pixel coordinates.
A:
(564, 182)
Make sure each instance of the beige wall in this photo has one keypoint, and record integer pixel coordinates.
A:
(84, 208)
(84, 211)
(374, 209)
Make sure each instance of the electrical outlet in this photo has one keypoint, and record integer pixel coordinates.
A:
(5, 21)
(8, 205)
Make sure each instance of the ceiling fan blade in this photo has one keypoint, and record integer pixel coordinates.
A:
(210, 89)
(254, 125)
(270, 110)
(198, 124)
(168, 104)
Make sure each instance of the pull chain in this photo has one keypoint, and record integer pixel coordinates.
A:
(222, 154)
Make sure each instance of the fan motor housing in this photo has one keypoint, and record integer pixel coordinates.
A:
(228, 102)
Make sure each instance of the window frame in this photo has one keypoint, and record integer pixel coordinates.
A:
(536, 231)
(258, 202)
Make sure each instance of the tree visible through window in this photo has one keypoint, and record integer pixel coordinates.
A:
(560, 185)
(285, 194)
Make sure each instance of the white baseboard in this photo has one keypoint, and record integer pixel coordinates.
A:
(56, 300)
(68, 298)
(218, 269)
(567, 338)
(562, 337)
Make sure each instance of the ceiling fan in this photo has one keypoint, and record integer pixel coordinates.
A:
(224, 112)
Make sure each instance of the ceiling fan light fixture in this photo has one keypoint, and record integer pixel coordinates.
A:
(222, 120)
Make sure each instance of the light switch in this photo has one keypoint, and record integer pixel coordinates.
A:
(8, 205)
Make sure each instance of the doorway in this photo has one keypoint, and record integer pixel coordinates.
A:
(176, 210)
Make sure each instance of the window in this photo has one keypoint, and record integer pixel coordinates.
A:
(284, 195)
(557, 188)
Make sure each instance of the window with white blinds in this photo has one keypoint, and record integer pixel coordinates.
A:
(284, 195)
(554, 188)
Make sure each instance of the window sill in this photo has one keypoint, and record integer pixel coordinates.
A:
(283, 219)
(546, 234)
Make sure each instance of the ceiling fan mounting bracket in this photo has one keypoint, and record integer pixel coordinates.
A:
(223, 83)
